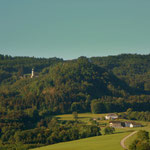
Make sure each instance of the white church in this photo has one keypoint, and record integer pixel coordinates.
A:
(33, 74)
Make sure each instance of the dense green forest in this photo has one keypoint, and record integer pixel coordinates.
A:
(97, 84)
(132, 68)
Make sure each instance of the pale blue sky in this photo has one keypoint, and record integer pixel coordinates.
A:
(72, 28)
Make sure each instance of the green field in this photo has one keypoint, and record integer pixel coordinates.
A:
(81, 116)
(104, 142)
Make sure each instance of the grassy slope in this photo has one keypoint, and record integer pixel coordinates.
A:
(82, 116)
(106, 142)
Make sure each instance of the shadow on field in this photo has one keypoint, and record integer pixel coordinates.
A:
(82, 117)
(123, 131)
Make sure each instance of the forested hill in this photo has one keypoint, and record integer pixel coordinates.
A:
(58, 86)
(12, 67)
(67, 86)
(133, 69)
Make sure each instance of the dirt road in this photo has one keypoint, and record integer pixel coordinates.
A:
(123, 140)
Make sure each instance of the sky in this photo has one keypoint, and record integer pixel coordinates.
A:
(72, 28)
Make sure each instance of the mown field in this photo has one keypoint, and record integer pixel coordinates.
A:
(104, 142)
(85, 117)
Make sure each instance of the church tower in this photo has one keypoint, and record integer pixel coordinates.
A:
(32, 73)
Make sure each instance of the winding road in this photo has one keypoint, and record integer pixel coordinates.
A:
(124, 139)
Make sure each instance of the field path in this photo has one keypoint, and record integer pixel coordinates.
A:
(123, 140)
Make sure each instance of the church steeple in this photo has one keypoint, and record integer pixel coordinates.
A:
(32, 73)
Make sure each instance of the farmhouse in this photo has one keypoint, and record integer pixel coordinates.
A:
(111, 116)
(132, 124)
(116, 124)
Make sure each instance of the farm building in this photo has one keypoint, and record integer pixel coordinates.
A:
(111, 116)
(132, 124)
(116, 124)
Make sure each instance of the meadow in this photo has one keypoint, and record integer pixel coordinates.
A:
(106, 142)
(85, 117)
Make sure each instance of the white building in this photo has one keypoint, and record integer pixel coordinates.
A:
(127, 124)
(32, 73)
(132, 124)
(111, 116)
